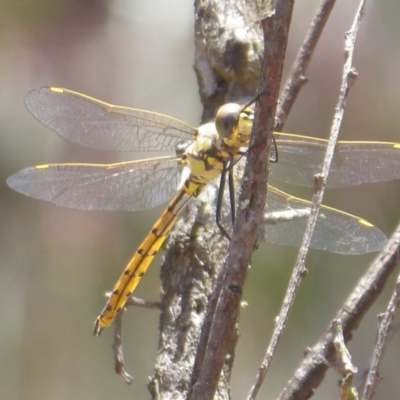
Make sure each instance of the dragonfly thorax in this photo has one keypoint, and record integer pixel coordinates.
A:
(206, 155)
(204, 159)
(181, 146)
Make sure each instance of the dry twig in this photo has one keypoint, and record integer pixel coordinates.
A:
(118, 352)
(299, 270)
(386, 319)
(297, 78)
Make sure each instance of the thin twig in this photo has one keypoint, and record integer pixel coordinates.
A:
(136, 302)
(392, 332)
(117, 349)
(343, 364)
(251, 207)
(312, 369)
(297, 78)
(117, 337)
(386, 320)
(299, 270)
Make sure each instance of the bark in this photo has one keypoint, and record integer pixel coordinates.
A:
(228, 61)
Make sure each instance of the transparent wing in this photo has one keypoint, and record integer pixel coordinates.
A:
(128, 186)
(354, 163)
(286, 217)
(93, 123)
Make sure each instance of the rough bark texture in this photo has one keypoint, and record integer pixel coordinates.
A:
(218, 334)
(228, 44)
(228, 52)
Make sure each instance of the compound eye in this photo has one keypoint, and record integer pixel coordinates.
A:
(226, 119)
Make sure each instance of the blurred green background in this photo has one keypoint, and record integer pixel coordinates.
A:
(55, 264)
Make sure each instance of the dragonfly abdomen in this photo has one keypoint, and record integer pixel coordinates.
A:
(204, 161)
(143, 257)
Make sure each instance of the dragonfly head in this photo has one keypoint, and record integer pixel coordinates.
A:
(234, 123)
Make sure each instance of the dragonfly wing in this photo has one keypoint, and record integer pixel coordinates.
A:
(286, 217)
(130, 186)
(354, 163)
(99, 125)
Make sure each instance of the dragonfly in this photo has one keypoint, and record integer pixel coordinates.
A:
(201, 155)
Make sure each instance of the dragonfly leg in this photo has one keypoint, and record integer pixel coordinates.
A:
(228, 168)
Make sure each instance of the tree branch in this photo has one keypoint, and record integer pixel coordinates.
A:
(297, 78)
(227, 66)
(228, 295)
(312, 370)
